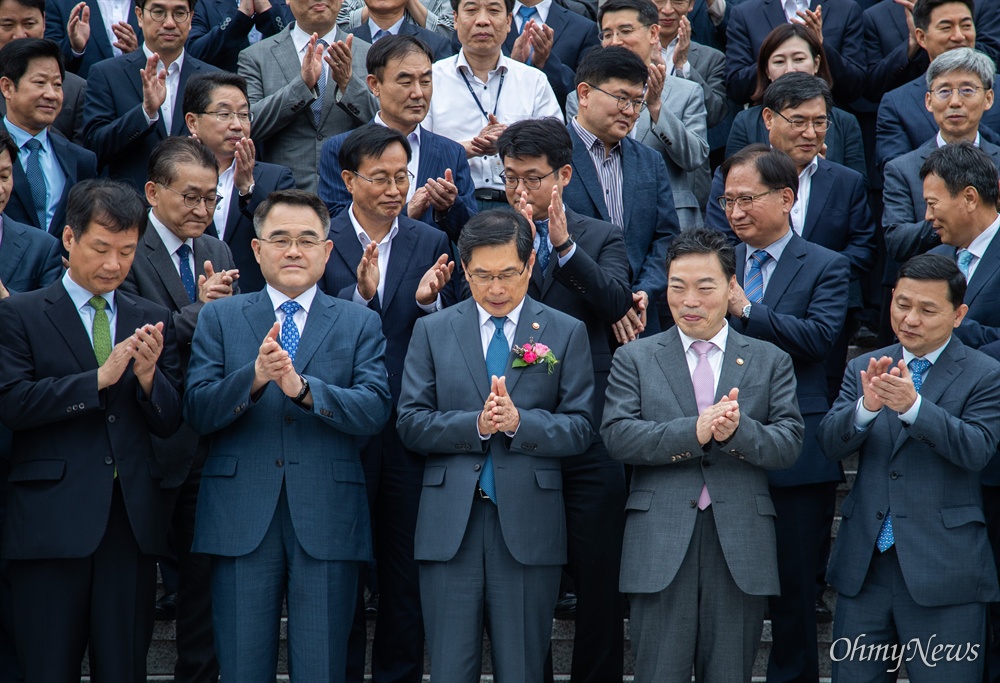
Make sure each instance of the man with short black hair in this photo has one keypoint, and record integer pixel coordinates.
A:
(388, 18)
(31, 73)
(87, 375)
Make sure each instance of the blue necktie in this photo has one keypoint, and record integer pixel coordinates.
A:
(324, 76)
(526, 14)
(36, 181)
(379, 35)
(254, 36)
(917, 366)
(542, 228)
(754, 286)
(497, 354)
(289, 331)
(964, 261)
(187, 277)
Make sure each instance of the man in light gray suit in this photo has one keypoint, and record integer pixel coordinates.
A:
(957, 116)
(912, 563)
(302, 93)
(701, 412)
(493, 410)
(179, 267)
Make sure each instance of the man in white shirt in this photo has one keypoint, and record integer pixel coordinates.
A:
(480, 91)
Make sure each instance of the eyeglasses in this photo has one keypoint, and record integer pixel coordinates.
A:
(622, 31)
(506, 277)
(227, 116)
(799, 124)
(159, 14)
(531, 182)
(401, 180)
(625, 102)
(283, 243)
(965, 92)
(745, 203)
(678, 5)
(192, 201)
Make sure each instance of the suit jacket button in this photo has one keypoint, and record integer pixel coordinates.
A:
(70, 409)
(706, 463)
(879, 515)
(279, 463)
(108, 460)
(289, 419)
(477, 467)
(319, 136)
(694, 503)
(894, 475)
(111, 418)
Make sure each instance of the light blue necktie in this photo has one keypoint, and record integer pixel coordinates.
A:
(964, 261)
(289, 331)
(497, 354)
(542, 228)
(254, 36)
(755, 278)
(324, 76)
(527, 13)
(379, 35)
(917, 366)
(187, 277)
(36, 181)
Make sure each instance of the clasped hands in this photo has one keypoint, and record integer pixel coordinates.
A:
(273, 364)
(720, 420)
(144, 345)
(886, 385)
(499, 413)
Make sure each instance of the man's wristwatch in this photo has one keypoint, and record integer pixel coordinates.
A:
(298, 399)
(745, 315)
(565, 245)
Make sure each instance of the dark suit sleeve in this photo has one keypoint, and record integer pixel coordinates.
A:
(890, 134)
(162, 408)
(465, 207)
(56, 20)
(652, 276)
(906, 235)
(283, 181)
(107, 133)
(854, 148)
(739, 134)
(714, 89)
(886, 72)
(810, 337)
(837, 435)
(741, 60)
(603, 283)
(209, 42)
(975, 334)
(847, 65)
(715, 217)
(332, 190)
(860, 249)
(52, 265)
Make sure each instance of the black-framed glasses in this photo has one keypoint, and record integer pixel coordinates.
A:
(504, 278)
(531, 182)
(284, 242)
(192, 201)
(745, 203)
(227, 116)
(799, 124)
(159, 14)
(965, 92)
(625, 102)
(400, 180)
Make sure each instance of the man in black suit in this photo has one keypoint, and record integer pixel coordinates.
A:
(88, 372)
(217, 112)
(134, 101)
(84, 42)
(26, 19)
(180, 268)
(31, 72)
(581, 268)
(399, 268)
(220, 29)
(387, 18)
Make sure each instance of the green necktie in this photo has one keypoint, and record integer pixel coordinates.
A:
(101, 329)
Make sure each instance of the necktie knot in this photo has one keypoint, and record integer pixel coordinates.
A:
(33, 144)
(290, 308)
(760, 257)
(98, 303)
(498, 324)
(702, 347)
(526, 13)
(183, 251)
(964, 261)
(322, 43)
(379, 34)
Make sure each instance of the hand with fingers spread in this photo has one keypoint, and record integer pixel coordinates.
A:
(876, 368)
(540, 38)
(312, 62)
(246, 158)
(895, 388)
(368, 275)
(441, 192)
(147, 343)
(683, 43)
(813, 19)
(127, 41)
(524, 208)
(654, 90)
(78, 28)
(434, 280)
(154, 87)
(339, 58)
(212, 285)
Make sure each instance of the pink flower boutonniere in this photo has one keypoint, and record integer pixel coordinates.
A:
(532, 354)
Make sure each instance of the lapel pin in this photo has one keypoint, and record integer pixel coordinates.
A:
(739, 361)
(535, 326)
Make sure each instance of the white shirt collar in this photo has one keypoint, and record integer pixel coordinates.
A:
(363, 236)
(542, 8)
(179, 61)
(81, 297)
(979, 245)
(775, 249)
(393, 30)
(462, 64)
(719, 339)
(413, 138)
(932, 356)
(513, 316)
(942, 143)
(810, 168)
(171, 241)
(300, 38)
(304, 299)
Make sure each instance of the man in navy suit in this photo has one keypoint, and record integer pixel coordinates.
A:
(843, 42)
(904, 123)
(388, 19)
(792, 293)
(87, 375)
(550, 37)
(709, 21)
(86, 36)
(630, 187)
(288, 382)
(587, 277)
(217, 112)
(912, 563)
(135, 100)
(221, 29)
(399, 268)
(31, 71)
(441, 192)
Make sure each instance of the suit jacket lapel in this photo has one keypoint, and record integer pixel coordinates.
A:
(399, 262)
(583, 168)
(898, 15)
(65, 318)
(732, 372)
(819, 194)
(177, 124)
(676, 372)
(129, 318)
(986, 270)
(630, 177)
(364, 32)
(557, 18)
(470, 341)
(784, 271)
(14, 245)
(162, 264)
(774, 13)
(260, 315)
(99, 36)
(23, 192)
(345, 242)
(429, 155)
(532, 314)
(319, 322)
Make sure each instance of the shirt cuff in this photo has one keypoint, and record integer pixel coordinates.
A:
(78, 54)
(563, 260)
(910, 416)
(684, 71)
(717, 11)
(432, 307)
(150, 121)
(358, 299)
(862, 416)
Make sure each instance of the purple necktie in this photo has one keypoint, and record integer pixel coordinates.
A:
(704, 396)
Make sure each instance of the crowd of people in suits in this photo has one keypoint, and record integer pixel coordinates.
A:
(555, 297)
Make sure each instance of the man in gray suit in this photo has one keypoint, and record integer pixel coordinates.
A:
(302, 93)
(951, 77)
(495, 390)
(912, 562)
(179, 267)
(701, 412)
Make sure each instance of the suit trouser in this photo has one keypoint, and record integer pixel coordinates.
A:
(247, 593)
(484, 580)
(393, 476)
(702, 619)
(884, 614)
(10, 667)
(104, 601)
(991, 508)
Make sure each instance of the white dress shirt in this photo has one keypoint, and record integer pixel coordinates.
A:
(543, 13)
(304, 300)
(801, 205)
(172, 242)
(114, 11)
(715, 355)
(792, 7)
(172, 83)
(81, 299)
(941, 141)
(453, 113)
(979, 245)
(864, 417)
(225, 189)
(487, 329)
(414, 164)
(393, 30)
